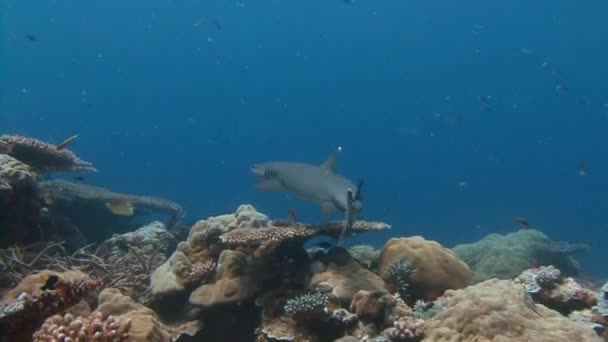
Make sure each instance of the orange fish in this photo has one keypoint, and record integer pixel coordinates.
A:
(522, 221)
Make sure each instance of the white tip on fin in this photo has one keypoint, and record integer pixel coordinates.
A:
(331, 163)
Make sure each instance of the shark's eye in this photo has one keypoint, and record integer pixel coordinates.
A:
(271, 173)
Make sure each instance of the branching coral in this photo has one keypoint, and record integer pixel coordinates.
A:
(407, 329)
(426, 310)
(43, 157)
(306, 307)
(96, 327)
(397, 276)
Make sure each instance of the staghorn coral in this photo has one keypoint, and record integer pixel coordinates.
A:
(306, 307)
(43, 157)
(96, 327)
(397, 276)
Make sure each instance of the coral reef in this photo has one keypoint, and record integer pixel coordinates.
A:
(124, 261)
(500, 310)
(366, 255)
(342, 277)
(437, 268)
(43, 157)
(565, 295)
(306, 307)
(397, 276)
(406, 329)
(245, 277)
(93, 328)
(506, 256)
(25, 306)
(19, 208)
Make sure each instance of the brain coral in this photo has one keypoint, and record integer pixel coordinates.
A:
(501, 310)
(437, 268)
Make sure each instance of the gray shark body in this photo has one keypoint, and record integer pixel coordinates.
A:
(319, 184)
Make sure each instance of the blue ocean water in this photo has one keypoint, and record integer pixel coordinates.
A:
(458, 116)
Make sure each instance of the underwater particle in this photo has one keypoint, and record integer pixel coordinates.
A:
(31, 37)
(120, 207)
(397, 276)
(307, 306)
(582, 169)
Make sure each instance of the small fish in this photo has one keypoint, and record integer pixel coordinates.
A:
(218, 25)
(69, 141)
(582, 169)
(50, 282)
(48, 196)
(120, 207)
(31, 37)
(79, 178)
(522, 221)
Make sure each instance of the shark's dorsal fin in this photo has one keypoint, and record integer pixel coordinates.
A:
(331, 163)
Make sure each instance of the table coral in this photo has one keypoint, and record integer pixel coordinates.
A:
(43, 157)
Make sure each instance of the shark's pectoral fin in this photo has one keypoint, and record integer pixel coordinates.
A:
(329, 208)
(270, 185)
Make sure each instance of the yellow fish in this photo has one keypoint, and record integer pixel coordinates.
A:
(120, 207)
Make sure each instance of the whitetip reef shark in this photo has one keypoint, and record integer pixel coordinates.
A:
(319, 184)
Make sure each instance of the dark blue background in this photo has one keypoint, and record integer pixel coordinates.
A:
(168, 104)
